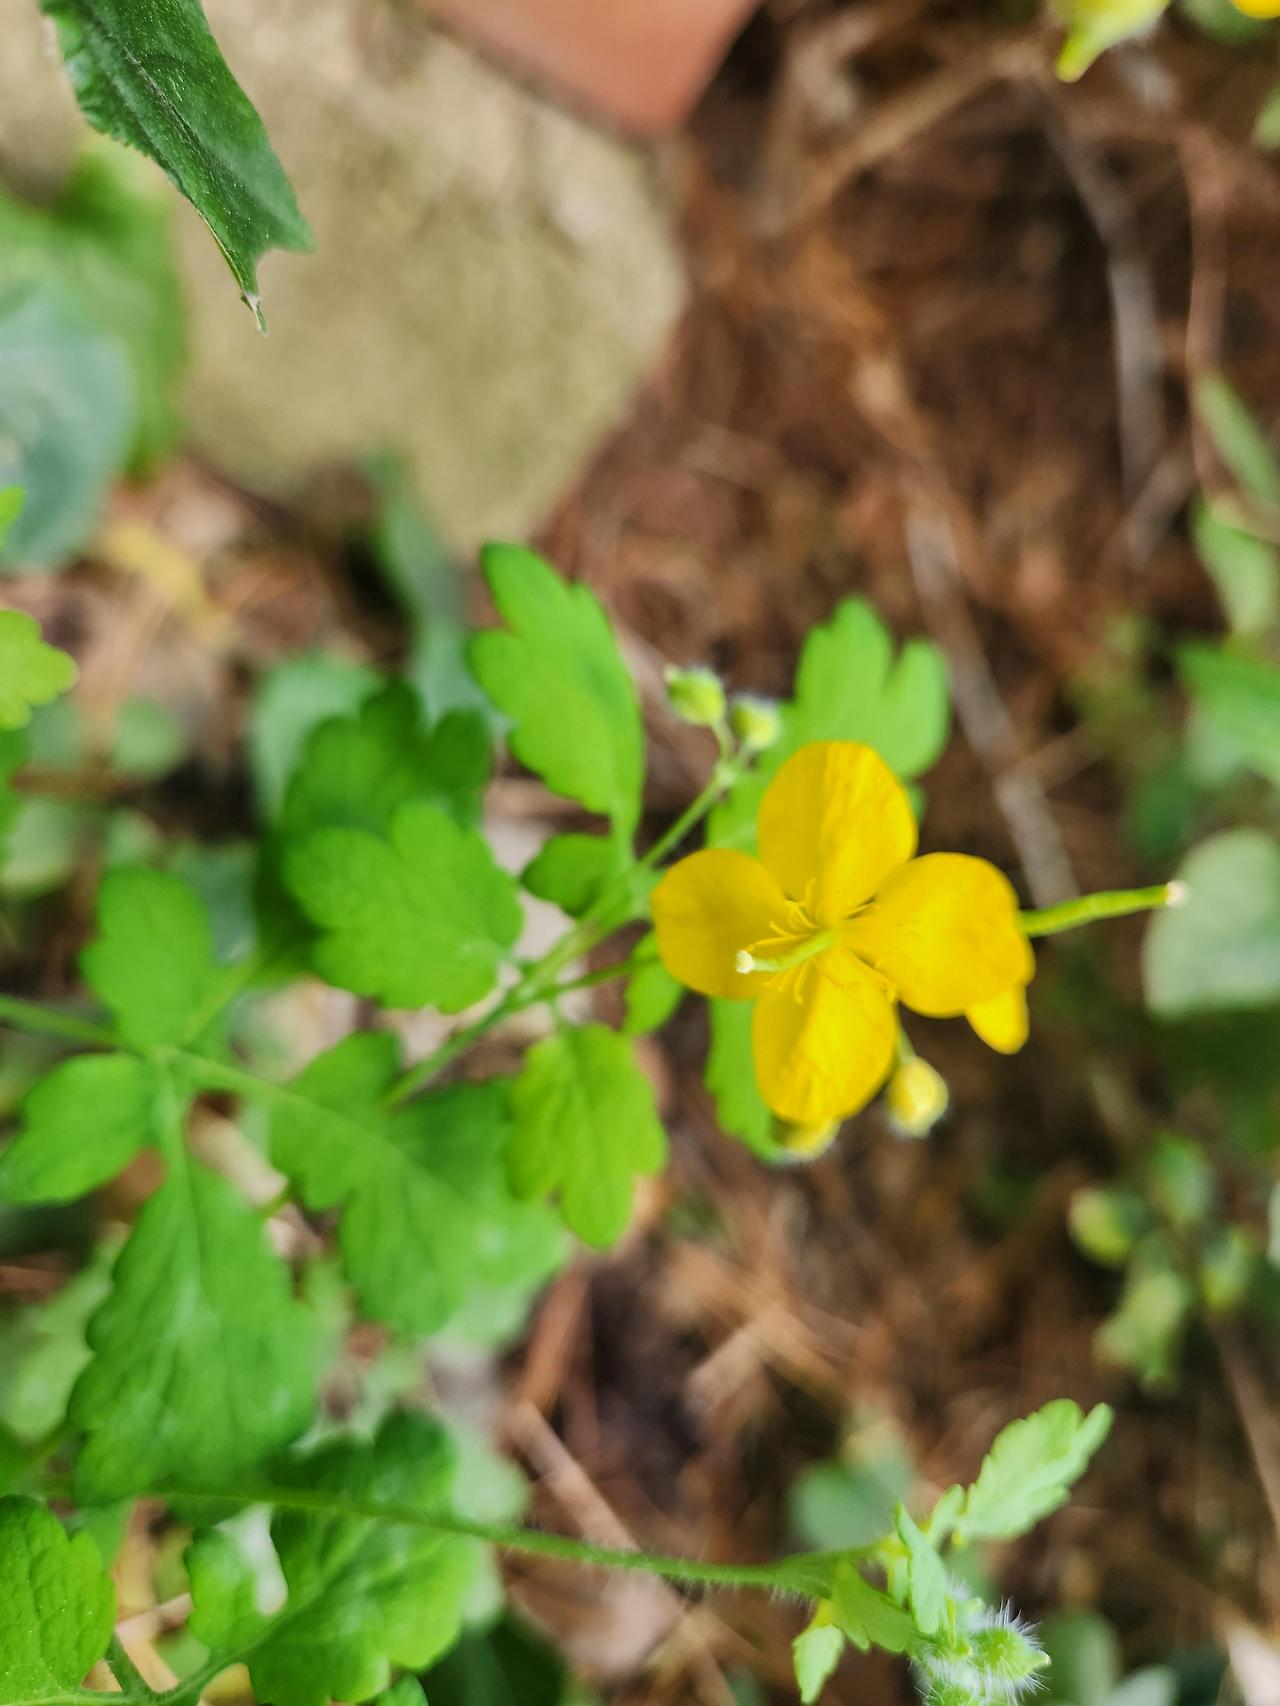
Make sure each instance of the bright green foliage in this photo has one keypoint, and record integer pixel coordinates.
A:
(202, 1362)
(573, 872)
(363, 1594)
(422, 916)
(31, 673)
(406, 1692)
(816, 1653)
(107, 243)
(1093, 26)
(12, 499)
(556, 672)
(1030, 1470)
(850, 686)
(1239, 696)
(1245, 570)
(56, 1606)
(291, 702)
(13, 755)
(82, 1124)
(153, 77)
(428, 1221)
(731, 1078)
(152, 960)
(67, 418)
(583, 1123)
(1220, 949)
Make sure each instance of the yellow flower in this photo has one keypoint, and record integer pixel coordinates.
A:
(835, 923)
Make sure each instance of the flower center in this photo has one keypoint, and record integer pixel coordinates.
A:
(747, 961)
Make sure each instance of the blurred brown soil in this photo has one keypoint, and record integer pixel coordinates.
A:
(903, 375)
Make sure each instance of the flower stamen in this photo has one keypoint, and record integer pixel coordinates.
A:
(745, 961)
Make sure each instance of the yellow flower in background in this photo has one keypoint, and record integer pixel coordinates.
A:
(834, 924)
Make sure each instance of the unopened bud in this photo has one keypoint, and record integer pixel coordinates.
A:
(755, 721)
(1007, 1654)
(696, 696)
(916, 1097)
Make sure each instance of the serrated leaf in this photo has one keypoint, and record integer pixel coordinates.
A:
(850, 686)
(56, 1605)
(816, 1653)
(1030, 1470)
(107, 242)
(157, 81)
(202, 1363)
(557, 673)
(364, 1594)
(927, 1591)
(1220, 949)
(67, 415)
(428, 1221)
(1240, 696)
(584, 1123)
(356, 771)
(81, 1125)
(652, 994)
(422, 917)
(31, 672)
(152, 960)
(866, 1615)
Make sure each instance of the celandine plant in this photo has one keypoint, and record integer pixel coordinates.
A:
(206, 1346)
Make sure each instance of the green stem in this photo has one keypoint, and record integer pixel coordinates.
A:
(41, 1021)
(1111, 903)
(126, 1673)
(800, 1573)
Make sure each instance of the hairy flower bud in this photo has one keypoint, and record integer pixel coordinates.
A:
(755, 721)
(696, 695)
(916, 1097)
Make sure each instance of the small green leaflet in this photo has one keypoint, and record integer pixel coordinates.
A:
(557, 673)
(573, 871)
(31, 673)
(731, 1079)
(866, 1615)
(56, 1606)
(816, 1653)
(364, 1594)
(67, 421)
(82, 1124)
(850, 686)
(203, 1363)
(1240, 695)
(1030, 1469)
(428, 1221)
(1244, 569)
(11, 502)
(1237, 438)
(290, 702)
(406, 1692)
(152, 960)
(584, 1123)
(155, 79)
(422, 917)
(652, 994)
(927, 1593)
(1220, 949)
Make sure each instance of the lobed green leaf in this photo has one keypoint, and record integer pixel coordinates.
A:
(1030, 1470)
(31, 672)
(56, 1606)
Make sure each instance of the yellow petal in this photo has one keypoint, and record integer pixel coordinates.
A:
(1258, 8)
(1002, 1022)
(833, 823)
(823, 1038)
(709, 908)
(944, 930)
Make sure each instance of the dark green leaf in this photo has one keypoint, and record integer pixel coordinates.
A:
(156, 80)
(56, 1606)
(507, 1666)
(584, 1124)
(557, 673)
